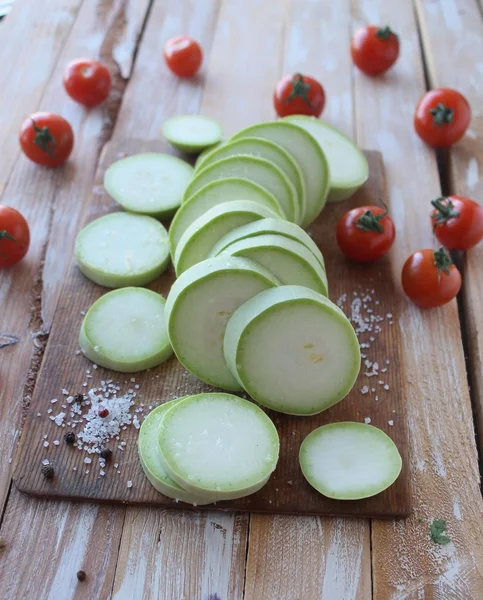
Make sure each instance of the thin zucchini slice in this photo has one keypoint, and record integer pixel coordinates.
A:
(198, 307)
(269, 226)
(152, 463)
(262, 148)
(199, 238)
(192, 133)
(288, 260)
(347, 164)
(213, 194)
(149, 184)
(292, 350)
(306, 153)
(125, 330)
(260, 171)
(349, 461)
(202, 155)
(122, 249)
(218, 445)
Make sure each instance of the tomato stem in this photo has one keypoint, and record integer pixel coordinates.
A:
(442, 261)
(300, 89)
(444, 211)
(44, 139)
(371, 222)
(4, 235)
(442, 115)
(384, 33)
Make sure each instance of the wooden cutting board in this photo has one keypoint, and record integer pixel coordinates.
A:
(379, 398)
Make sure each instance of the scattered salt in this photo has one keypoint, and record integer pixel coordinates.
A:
(391, 422)
(129, 484)
(46, 461)
(65, 392)
(364, 389)
(56, 442)
(386, 387)
(87, 460)
(367, 420)
(46, 444)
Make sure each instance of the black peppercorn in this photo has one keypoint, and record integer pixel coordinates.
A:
(81, 575)
(47, 471)
(106, 453)
(79, 398)
(69, 437)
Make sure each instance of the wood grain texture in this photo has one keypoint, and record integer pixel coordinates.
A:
(51, 199)
(444, 466)
(37, 56)
(187, 556)
(462, 44)
(48, 542)
(287, 491)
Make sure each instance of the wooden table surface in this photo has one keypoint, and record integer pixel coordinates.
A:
(142, 553)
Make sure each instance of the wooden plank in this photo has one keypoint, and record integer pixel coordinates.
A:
(444, 467)
(50, 200)
(47, 543)
(26, 70)
(454, 60)
(287, 491)
(316, 42)
(174, 554)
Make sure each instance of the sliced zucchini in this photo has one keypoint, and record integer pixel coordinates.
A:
(347, 164)
(122, 249)
(149, 184)
(270, 151)
(192, 133)
(306, 153)
(218, 446)
(202, 155)
(125, 330)
(199, 238)
(260, 171)
(349, 461)
(269, 226)
(288, 260)
(213, 194)
(198, 307)
(292, 350)
(152, 463)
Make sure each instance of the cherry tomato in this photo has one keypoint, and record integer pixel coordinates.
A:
(87, 81)
(298, 95)
(374, 49)
(430, 278)
(442, 117)
(183, 55)
(457, 222)
(47, 139)
(366, 233)
(14, 236)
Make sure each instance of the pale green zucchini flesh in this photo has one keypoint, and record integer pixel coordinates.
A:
(192, 133)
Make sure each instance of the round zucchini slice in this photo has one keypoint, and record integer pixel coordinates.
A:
(192, 133)
(292, 350)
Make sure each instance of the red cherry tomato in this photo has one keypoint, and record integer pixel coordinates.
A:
(46, 139)
(374, 49)
(442, 117)
(366, 233)
(87, 81)
(430, 278)
(14, 236)
(457, 222)
(183, 55)
(298, 95)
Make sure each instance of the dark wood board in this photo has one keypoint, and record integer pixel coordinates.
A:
(287, 491)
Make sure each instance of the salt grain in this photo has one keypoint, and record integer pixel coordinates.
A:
(56, 442)
(46, 444)
(367, 420)
(129, 484)
(46, 461)
(391, 422)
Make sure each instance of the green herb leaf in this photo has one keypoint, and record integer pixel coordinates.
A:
(438, 527)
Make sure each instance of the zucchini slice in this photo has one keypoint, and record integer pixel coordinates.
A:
(349, 461)
(214, 193)
(149, 184)
(269, 226)
(192, 133)
(199, 238)
(270, 151)
(307, 154)
(260, 171)
(347, 164)
(292, 350)
(152, 463)
(122, 249)
(218, 446)
(198, 308)
(125, 330)
(288, 260)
